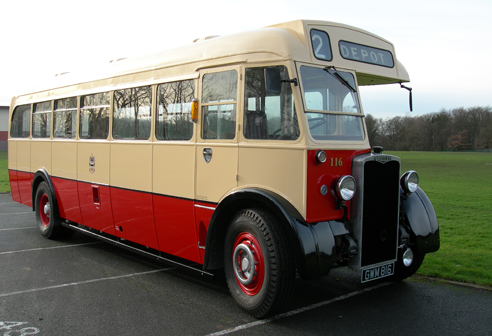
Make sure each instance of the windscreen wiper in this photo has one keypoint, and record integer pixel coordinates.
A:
(332, 71)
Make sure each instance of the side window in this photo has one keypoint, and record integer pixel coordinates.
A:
(219, 94)
(65, 118)
(94, 116)
(132, 113)
(174, 114)
(41, 120)
(269, 115)
(21, 122)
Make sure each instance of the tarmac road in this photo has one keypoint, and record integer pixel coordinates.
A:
(81, 286)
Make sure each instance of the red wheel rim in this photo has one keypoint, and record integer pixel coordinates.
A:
(44, 212)
(252, 259)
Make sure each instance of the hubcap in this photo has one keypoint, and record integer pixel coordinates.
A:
(47, 209)
(44, 210)
(248, 264)
(244, 256)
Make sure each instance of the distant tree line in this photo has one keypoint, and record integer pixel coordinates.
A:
(458, 129)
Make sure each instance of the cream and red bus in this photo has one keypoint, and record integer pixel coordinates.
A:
(247, 153)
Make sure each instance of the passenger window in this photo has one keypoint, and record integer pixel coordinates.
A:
(219, 95)
(65, 118)
(174, 115)
(94, 116)
(41, 120)
(268, 115)
(132, 113)
(20, 127)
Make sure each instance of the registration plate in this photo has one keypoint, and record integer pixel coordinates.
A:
(377, 272)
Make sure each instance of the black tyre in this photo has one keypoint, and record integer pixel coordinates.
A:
(259, 266)
(47, 218)
(402, 269)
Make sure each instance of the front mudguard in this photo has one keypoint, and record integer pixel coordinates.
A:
(422, 220)
(312, 245)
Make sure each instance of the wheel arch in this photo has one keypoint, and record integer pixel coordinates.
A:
(251, 198)
(43, 176)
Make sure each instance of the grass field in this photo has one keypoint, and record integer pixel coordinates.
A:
(459, 185)
(4, 173)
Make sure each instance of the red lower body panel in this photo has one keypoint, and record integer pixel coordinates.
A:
(167, 224)
(68, 199)
(24, 183)
(96, 211)
(203, 214)
(175, 227)
(14, 186)
(133, 218)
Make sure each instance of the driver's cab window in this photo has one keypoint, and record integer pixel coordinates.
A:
(269, 112)
(219, 100)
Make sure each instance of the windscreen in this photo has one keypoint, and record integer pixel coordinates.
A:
(331, 100)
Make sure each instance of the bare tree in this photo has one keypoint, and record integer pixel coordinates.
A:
(456, 129)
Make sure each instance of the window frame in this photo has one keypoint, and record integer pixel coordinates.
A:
(43, 114)
(136, 120)
(203, 105)
(66, 109)
(293, 111)
(163, 123)
(24, 119)
(82, 108)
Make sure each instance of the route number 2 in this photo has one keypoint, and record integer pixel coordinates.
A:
(317, 51)
(321, 45)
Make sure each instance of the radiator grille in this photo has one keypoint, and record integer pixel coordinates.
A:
(380, 212)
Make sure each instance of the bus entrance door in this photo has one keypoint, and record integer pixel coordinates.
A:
(217, 148)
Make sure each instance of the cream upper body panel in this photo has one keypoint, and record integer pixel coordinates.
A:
(285, 41)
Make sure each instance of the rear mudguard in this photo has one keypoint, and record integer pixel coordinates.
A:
(43, 176)
(313, 246)
(422, 220)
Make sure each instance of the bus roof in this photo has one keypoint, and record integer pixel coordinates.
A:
(284, 41)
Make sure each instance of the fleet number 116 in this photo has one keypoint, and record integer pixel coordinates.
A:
(335, 162)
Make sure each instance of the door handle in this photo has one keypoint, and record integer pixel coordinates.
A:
(207, 154)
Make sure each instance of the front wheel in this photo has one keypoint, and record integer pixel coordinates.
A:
(409, 261)
(49, 223)
(259, 265)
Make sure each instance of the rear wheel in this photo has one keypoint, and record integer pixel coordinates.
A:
(48, 221)
(259, 265)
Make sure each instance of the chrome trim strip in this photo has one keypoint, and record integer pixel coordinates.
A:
(204, 207)
(117, 242)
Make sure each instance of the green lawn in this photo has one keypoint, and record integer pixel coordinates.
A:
(4, 173)
(459, 185)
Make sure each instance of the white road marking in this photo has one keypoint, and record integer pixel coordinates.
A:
(21, 228)
(49, 248)
(16, 213)
(84, 282)
(297, 311)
